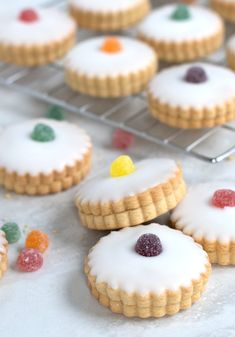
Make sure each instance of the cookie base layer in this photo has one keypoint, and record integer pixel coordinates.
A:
(108, 21)
(133, 210)
(43, 184)
(151, 305)
(110, 86)
(230, 58)
(3, 265)
(191, 118)
(224, 8)
(219, 253)
(34, 55)
(184, 51)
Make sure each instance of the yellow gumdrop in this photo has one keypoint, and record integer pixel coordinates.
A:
(122, 166)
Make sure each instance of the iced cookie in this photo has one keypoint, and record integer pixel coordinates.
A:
(123, 66)
(197, 95)
(108, 15)
(226, 8)
(129, 194)
(147, 271)
(3, 253)
(35, 36)
(182, 33)
(230, 51)
(43, 156)
(207, 214)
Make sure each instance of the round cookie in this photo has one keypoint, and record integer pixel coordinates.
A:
(3, 253)
(200, 95)
(116, 71)
(108, 15)
(35, 36)
(207, 214)
(130, 194)
(147, 285)
(43, 156)
(181, 33)
(226, 8)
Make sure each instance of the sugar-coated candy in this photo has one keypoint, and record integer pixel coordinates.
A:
(28, 15)
(181, 13)
(29, 260)
(43, 133)
(122, 166)
(111, 45)
(148, 245)
(196, 75)
(224, 198)
(12, 232)
(122, 139)
(38, 240)
(55, 112)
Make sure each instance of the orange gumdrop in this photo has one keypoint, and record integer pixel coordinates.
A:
(38, 240)
(111, 45)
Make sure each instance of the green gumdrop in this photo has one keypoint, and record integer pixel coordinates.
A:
(12, 232)
(55, 112)
(181, 13)
(43, 133)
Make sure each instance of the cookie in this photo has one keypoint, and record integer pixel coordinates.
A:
(34, 37)
(43, 156)
(3, 253)
(207, 214)
(108, 15)
(147, 271)
(182, 33)
(130, 194)
(196, 95)
(116, 71)
(226, 8)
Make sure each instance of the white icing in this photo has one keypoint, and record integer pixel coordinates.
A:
(113, 260)
(19, 153)
(51, 26)
(149, 173)
(3, 243)
(105, 5)
(87, 58)
(170, 87)
(198, 217)
(202, 23)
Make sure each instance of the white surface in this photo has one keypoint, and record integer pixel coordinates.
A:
(113, 260)
(105, 5)
(81, 58)
(201, 24)
(25, 155)
(218, 89)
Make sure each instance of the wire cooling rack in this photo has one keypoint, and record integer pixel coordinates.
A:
(131, 113)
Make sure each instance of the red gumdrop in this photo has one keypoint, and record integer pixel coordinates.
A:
(29, 260)
(223, 198)
(28, 15)
(122, 139)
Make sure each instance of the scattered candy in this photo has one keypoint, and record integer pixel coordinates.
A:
(122, 166)
(43, 133)
(148, 245)
(12, 232)
(196, 75)
(38, 240)
(223, 198)
(29, 260)
(181, 13)
(55, 112)
(111, 45)
(122, 139)
(28, 15)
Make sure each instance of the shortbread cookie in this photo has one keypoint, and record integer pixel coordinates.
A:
(35, 36)
(230, 51)
(207, 214)
(130, 194)
(181, 33)
(108, 15)
(3, 253)
(226, 8)
(110, 67)
(198, 95)
(147, 271)
(43, 156)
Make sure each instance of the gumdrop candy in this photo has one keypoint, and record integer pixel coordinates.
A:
(196, 75)
(12, 232)
(148, 245)
(111, 45)
(29, 260)
(224, 198)
(122, 166)
(43, 133)
(28, 15)
(55, 112)
(38, 240)
(181, 13)
(122, 139)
